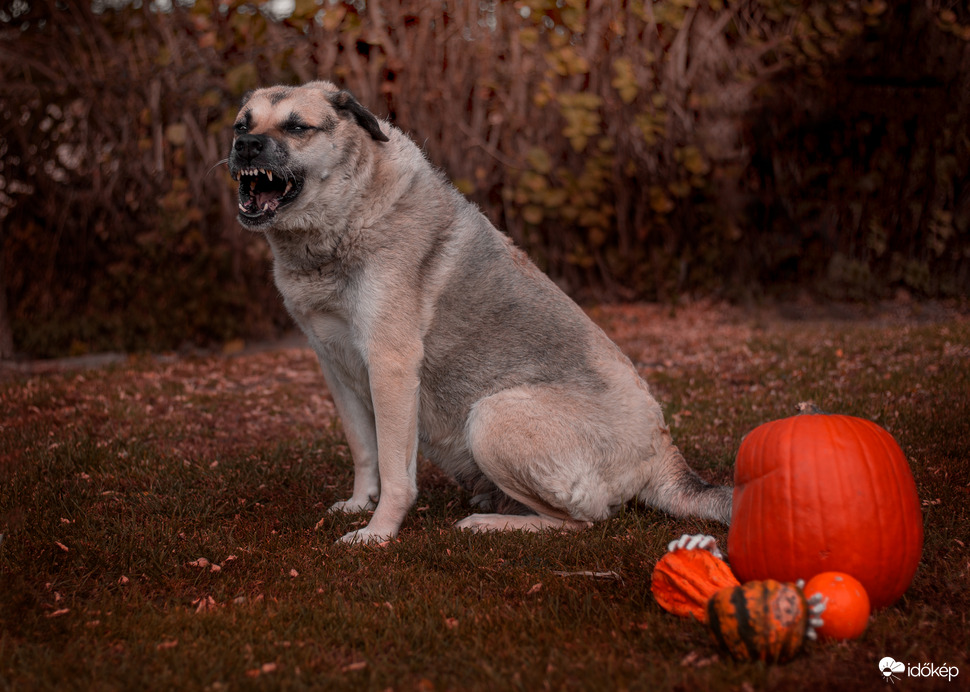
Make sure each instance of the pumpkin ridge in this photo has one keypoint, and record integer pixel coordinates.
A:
(764, 538)
(714, 623)
(906, 535)
(824, 457)
(795, 432)
(883, 519)
(743, 609)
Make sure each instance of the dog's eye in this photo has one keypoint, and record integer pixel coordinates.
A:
(240, 128)
(297, 128)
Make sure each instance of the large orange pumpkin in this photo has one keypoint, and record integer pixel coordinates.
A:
(825, 493)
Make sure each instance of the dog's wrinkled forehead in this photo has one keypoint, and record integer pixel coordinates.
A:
(281, 107)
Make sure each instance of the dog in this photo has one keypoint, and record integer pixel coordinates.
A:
(436, 334)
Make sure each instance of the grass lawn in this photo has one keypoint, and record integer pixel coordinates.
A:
(163, 524)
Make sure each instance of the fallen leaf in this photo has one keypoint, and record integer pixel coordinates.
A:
(355, 666)
(169, 644)
(536, 588)
(58, 613)
(204, 604)
(695, 660)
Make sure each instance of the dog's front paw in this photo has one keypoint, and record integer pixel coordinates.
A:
(366, 536)
(352, 505)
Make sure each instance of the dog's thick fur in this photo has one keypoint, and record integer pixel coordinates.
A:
(435, 333)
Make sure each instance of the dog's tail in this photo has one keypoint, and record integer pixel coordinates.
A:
(678, 490)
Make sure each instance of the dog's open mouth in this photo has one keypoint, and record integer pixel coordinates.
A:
(262, 192)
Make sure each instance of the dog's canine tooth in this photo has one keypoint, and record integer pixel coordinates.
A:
(289, 186)
(269, 174)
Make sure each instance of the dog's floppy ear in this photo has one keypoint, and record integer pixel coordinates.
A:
(347, 105)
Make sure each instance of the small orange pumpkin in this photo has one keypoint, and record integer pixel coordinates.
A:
(684, 581)
(847, 604)
(818, 493)
(760, 621)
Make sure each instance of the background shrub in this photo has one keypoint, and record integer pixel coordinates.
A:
(637, 150)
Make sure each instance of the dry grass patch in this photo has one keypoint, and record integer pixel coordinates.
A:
(159, 523)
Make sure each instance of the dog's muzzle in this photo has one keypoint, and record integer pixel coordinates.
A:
(265, 185)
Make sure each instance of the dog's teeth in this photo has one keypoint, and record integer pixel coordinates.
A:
(269, 174)
(289, 186)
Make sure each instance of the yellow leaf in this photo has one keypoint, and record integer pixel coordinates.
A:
(694, 161)
(333, 15)
(464, 185)
(660, 202)
(177, 134)
(532, 214)
(539, 160)
(305, 9)
(624, 80)
(528, 37)
(242, 78)
(534, 181)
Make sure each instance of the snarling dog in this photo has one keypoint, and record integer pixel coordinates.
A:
(435, 333)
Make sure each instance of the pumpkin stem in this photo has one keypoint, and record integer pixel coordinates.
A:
(809, 407)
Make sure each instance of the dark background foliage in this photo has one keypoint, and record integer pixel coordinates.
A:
(637, 150)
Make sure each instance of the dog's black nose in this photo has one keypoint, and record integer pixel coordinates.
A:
(248, 147)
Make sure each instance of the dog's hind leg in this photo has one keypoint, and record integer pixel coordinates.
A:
(577, 458)
(534, 445)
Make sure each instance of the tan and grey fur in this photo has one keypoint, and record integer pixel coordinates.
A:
(435, 333)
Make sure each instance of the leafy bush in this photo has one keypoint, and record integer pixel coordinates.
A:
(635, 149)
